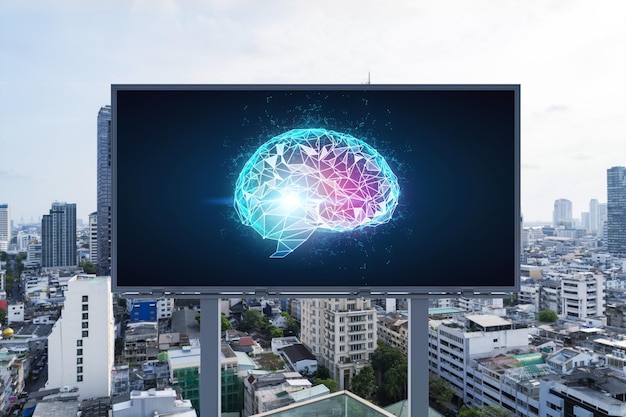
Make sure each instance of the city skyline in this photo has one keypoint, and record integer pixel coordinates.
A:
(60, 59)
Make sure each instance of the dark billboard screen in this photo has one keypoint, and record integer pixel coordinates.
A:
(310, 189)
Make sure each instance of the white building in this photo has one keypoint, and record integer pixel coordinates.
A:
(452, 343)
(529, 294)
(583, 295)
(154, 403)
(15, 313)
(33, 254)
(81, 345)
(165, 306)
(341, 333)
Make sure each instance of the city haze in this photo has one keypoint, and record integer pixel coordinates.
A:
(60, 58)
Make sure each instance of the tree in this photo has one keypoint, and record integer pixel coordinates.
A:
(88, 267)
(331, 384)
(225, 325)
(252, 320)
(440, 390)
(548, 316)
(292, 324)
(469, 412)
(322, 372)
(395, 385)
(363, 384)
(384, 358)
(275, 332)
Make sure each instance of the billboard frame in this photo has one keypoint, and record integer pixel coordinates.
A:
(312, 291)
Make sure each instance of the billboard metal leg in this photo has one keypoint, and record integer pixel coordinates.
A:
(210, 375)
(418, 357)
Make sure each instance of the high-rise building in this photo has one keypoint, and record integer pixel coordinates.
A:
(93, 238)
(562, 214)
(616, 210)
(104, 191)
(594, 216)
(5, 227)
(602, 216)
(58, 235)
(341, 333)
(81, 345)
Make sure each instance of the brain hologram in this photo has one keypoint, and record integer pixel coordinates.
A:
(309, 179)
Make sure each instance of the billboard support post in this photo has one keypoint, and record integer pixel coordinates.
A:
(418, 356)
(210, 374)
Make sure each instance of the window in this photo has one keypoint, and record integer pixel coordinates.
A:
(79, 352)
(79, 378)
(79, 369)
(85, 298)
(85, 307)
(79, 342)
(85, 325)
(85, 333)
(85, 316)
(79, 361)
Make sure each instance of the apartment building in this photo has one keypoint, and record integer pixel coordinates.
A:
(341, 333)
(81, 345)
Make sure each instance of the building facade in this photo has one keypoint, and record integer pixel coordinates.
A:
(58, 234)
(616, 211)
(5, 227)
(341, 333)
(562, 213)
(104, 191)
(583, 295)
(81, 344)
(93, 238)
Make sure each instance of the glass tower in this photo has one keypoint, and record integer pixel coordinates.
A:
(104, 192)
(616, 210)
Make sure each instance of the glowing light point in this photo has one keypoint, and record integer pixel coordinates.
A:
(309, 179)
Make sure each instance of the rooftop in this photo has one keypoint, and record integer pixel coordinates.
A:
(338, 404)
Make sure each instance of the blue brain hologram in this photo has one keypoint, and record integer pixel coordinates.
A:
(309, 179)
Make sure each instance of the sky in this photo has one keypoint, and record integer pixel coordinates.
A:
(58, 60)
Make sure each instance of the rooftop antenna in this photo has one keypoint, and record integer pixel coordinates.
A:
(369, 78)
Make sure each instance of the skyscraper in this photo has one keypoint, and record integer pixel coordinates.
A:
(616, 210)
(562, 214)
(5, 227)
(594, 215)
(93, 238)
(58, 235)
(104, 191)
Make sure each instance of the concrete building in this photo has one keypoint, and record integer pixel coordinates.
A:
(562, 213)
(616, 211)
(154, 403)
(141, 343)
(341, 333)
(5, 227)
(81, 345)
(58, 234)
(394, 331)
(452, 343)
(104, 190)
(271, 391)
(33, 255)
(583, 295)
(587, 392)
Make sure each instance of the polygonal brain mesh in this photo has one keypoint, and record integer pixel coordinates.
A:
(308, 179)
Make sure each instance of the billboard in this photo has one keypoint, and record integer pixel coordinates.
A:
(315, 189)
